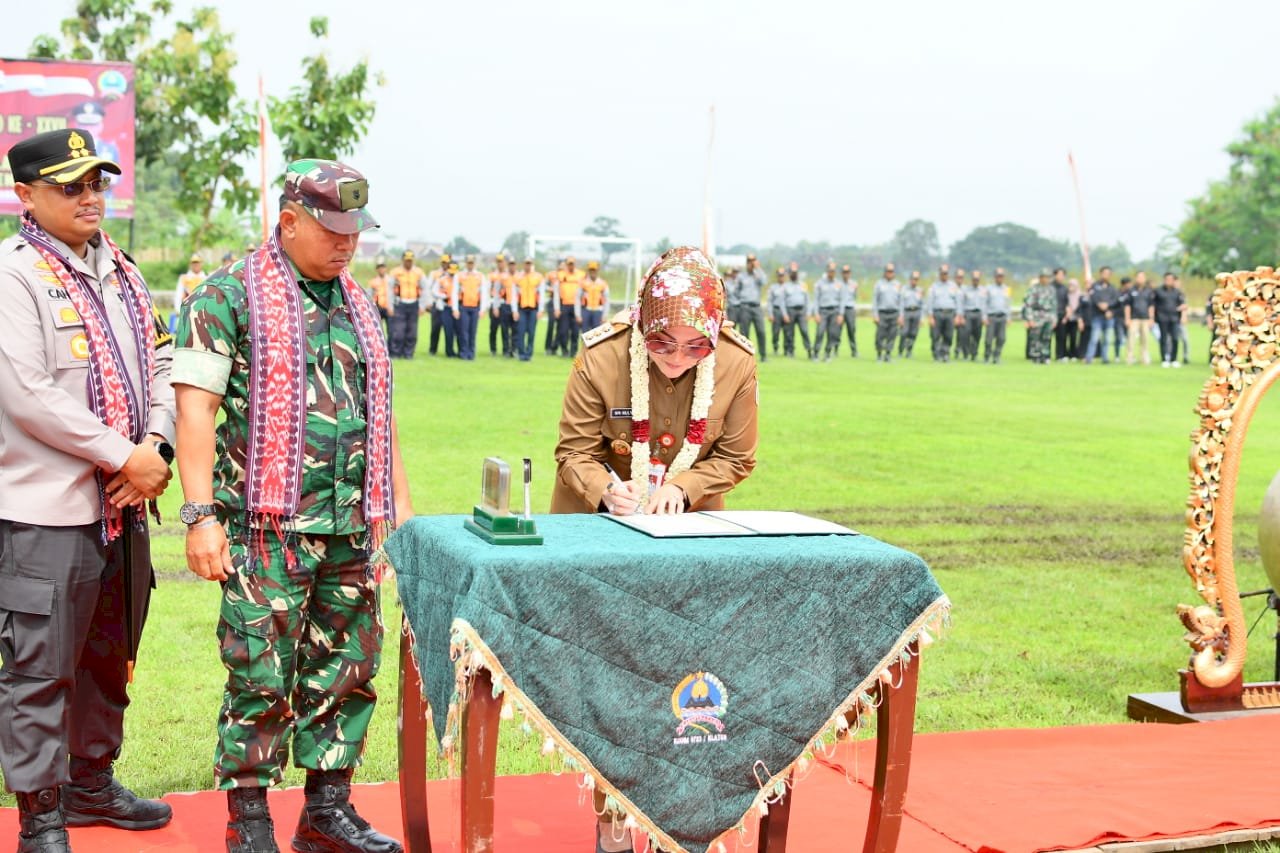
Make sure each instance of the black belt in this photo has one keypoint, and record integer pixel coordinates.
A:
(997, 316)
(944, 311)
(911, 310)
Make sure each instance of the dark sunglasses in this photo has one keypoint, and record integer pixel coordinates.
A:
(76, 189)
(666, 346)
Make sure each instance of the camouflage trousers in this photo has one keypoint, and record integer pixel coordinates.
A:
(301, 644)
(1039, 339)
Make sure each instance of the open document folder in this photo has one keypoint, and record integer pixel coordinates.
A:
(732, 523)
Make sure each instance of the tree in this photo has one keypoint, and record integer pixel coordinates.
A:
(516, 244)
(1235, 224)
(664, 245)
(460, 246)
(1117, 257)
(329, 113)
(916, 245)
(1018, 249)
(606, 226)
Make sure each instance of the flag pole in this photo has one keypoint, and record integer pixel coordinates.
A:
(262, 154)
(708, 239)
(1084, 239)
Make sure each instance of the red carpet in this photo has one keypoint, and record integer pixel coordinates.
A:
(1009, 791)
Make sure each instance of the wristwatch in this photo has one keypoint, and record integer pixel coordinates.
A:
(190, 512)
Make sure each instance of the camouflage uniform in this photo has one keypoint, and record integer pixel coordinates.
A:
(301, 642)
(1040, 310)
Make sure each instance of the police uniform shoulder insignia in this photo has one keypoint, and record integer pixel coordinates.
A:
(603, 332)
(738, 338)
(162, 328)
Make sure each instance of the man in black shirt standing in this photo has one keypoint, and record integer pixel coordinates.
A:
(1060, 328)
(1169, 305)
(1103, 296)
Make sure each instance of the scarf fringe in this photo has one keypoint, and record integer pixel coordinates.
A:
(470, 654)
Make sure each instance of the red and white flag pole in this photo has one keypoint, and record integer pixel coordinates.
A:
(1084, 239)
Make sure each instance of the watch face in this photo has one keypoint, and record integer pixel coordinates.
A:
(190, 513)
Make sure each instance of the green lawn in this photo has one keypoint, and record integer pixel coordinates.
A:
(1047, 499)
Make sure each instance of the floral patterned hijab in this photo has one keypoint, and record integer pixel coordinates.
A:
(682, 288)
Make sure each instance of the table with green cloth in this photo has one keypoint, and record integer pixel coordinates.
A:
(685, 676)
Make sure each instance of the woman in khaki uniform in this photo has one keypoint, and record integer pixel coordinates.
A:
(663, 387)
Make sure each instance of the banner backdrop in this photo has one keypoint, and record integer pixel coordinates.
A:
(38, 95)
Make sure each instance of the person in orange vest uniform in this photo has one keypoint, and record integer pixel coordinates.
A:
(441, 315)
(187, 283)
(595, 298)
(566, 296)
(406, 285)
(431, 302)
(379, 291)
(466, 301)
(526, 295)
(501, 316)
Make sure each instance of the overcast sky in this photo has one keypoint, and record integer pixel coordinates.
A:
(835, 120)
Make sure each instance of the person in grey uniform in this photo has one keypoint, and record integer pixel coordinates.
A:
(886, 312)
(797, 307)
(970, 333)
(849, 308)
(776, 312)
(749, 287)
(995, 317)
(940, 308)
(86, 420)
(828, 297)
(912, 307)
(731, 296)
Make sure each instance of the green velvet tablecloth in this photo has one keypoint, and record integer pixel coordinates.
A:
(601, 625)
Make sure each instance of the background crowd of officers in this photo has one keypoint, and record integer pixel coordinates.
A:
(965, 315)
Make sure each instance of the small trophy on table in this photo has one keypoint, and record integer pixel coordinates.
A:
(491, 519)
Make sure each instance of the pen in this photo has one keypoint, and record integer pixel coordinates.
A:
(528, 476)
(617, 481)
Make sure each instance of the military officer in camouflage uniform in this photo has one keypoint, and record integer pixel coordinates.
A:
(995, 316)
(776, 310)
(828, 296)
(748, 288)
(849, 308)
(886, 312)
(300, 628)
(912, 307)
(1040, 311)
(940, 307)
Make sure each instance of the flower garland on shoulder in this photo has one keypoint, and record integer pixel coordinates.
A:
(695, 435)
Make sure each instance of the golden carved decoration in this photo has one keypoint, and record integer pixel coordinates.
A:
(1246, 328)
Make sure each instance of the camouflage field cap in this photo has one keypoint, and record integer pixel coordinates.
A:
(334, 193)
(60, 156)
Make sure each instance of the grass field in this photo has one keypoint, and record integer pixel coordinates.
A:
(1047, 499)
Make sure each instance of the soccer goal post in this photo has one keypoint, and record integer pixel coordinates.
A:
(624, 254)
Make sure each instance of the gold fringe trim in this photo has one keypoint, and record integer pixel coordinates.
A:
(470, 653)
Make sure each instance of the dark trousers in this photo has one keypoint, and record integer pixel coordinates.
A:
(944, 327)
(972, 333)
(468, 324)
(1168, 338)
(886, 332)
(828, 334)
(996, 324)
(552, 341)
(1070, 330)
(386, 326)
(851, 329)
(63, 643)
(526, 326)
(750, 316)
(567, 331)
(442, 322)
(777, 328)
(910, 329)
(404, 330)
(1122, 335)
(592, 317)
(503, 325)
(800, 322)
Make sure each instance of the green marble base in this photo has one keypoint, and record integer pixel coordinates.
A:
(502, 529)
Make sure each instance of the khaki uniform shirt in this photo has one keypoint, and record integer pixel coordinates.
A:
(51, 442)
(595, 426)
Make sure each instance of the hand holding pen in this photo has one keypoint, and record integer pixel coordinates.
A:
(619, 497)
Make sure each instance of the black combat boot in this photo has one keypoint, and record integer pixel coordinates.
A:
(41, 824)
(249, 829)
(95, 798)
(329, 823)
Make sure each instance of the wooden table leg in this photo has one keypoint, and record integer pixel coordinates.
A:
(773, 826)
(895, 724)
(480, 720)
(413, 751)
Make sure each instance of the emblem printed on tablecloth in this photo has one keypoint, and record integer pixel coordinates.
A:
(699, 702)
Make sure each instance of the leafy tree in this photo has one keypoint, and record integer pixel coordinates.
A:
(1117, 257)
(516, 244)
(1233, 225)
(329, 113)
(664, 245)
(460, 246)
(606, 226)
(1017, 248)
(916, 246)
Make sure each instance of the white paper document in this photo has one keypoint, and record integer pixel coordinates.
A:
(731, 523)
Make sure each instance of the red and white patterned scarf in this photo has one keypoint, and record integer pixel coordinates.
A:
(278, 396)
(114, 398)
